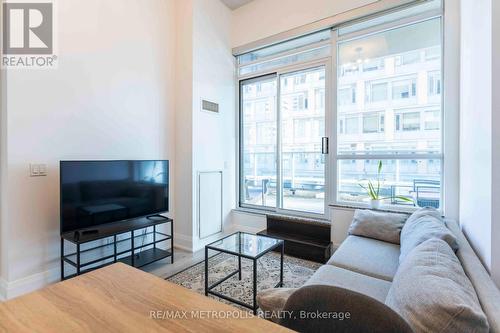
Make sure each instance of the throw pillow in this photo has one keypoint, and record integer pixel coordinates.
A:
(378, 225)
(432, 293)
(424, 224)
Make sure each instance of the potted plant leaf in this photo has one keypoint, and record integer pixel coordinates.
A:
(373, 190)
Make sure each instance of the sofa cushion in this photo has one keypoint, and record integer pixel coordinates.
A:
(338, 277)
(424, 224)
(272, 301)
(433, 294)
(424, 211)
(377, 225)
(367, 256)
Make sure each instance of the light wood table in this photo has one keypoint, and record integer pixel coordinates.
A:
(119, 298)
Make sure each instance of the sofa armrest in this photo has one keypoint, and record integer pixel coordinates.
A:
(321, 308)
(272, 301)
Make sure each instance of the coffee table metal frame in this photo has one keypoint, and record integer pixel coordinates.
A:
(209, 288)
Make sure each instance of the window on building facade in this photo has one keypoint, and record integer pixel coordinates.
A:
(347, 95)
(373, 65)
(408, 121)
(402, 89)
(408, 58)
(352, 125)
(432, 120)
(434, 83)
(319, 98)
(376, 91)
(371, 123)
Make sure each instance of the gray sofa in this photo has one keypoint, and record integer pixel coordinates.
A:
(358, 279)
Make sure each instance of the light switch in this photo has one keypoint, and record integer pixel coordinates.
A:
(37, 169)
(34, 170)
(42, 169)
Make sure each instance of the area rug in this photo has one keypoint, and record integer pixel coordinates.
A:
(295, 273)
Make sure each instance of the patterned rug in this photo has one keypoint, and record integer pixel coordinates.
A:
(295, 273)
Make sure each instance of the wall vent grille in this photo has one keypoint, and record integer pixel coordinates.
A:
(209, 106)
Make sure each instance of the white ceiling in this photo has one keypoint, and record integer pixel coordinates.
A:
(233, 4)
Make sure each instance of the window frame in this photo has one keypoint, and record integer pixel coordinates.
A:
(335, 157)
(448, 97)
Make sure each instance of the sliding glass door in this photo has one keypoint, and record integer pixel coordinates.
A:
(258, 141)
(282, 141)
(302, 124)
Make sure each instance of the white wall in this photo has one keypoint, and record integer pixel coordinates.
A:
(204, 141)
(495, 225)
(263, 18)
(111, 98)
(476, 126)
(480, 130)
(213, 134)
(184, 122)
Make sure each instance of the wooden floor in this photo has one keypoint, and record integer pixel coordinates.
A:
(183, 259)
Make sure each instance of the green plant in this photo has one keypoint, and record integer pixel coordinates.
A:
(373, 191)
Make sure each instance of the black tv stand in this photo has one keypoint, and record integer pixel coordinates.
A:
(88, 232)
(123, 241)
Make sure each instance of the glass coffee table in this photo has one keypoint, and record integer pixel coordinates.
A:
(243, 245)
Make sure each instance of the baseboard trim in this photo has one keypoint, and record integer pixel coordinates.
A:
(3, 290)
(183, 242)
(12, 289)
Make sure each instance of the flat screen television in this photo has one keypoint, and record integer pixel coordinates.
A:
(94, 193)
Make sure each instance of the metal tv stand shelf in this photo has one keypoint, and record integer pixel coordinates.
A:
(131, 248)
